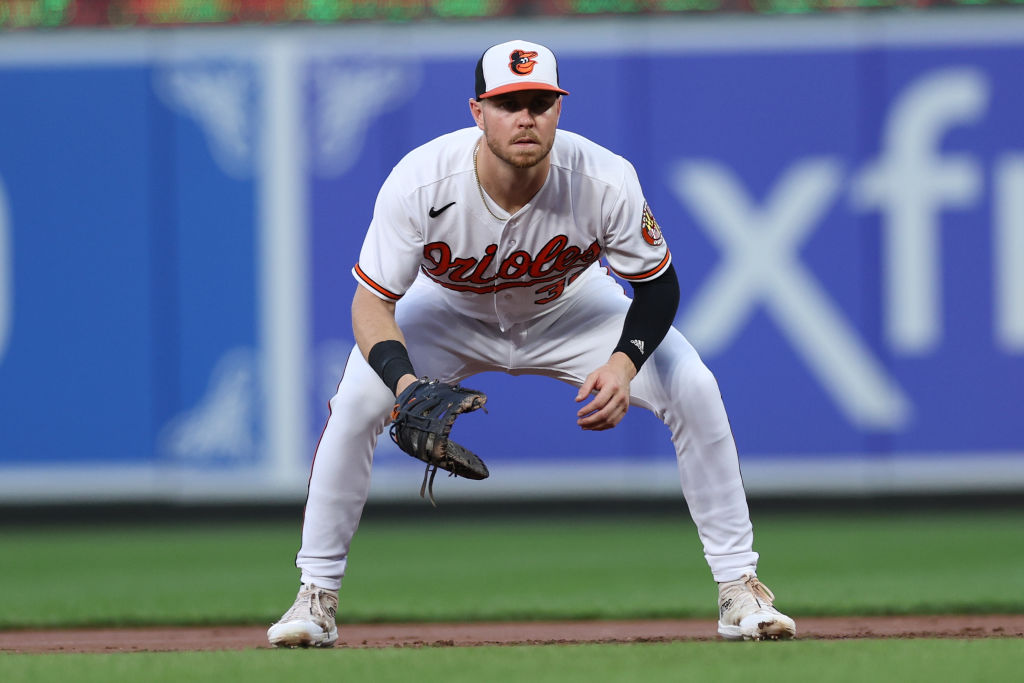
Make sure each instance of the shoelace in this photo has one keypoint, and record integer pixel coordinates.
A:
(312, 605)
(760, 590)
(751, 588)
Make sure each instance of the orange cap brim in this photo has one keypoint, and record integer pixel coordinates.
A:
(516, 87)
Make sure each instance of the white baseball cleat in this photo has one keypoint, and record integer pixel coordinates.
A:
(309, 622)
(745, 611)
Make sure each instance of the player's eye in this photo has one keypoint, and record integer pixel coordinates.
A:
(541, 105)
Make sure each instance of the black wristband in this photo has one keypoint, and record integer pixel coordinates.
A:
(390, 360)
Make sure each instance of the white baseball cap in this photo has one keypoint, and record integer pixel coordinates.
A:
(516, 65)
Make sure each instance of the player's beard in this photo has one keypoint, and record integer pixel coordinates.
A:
(521, 158)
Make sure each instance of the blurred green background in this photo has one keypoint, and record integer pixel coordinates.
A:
(598, 560)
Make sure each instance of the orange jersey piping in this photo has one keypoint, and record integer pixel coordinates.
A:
(373, 285)
(652, 272)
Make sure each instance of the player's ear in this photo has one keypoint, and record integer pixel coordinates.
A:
(477, 110)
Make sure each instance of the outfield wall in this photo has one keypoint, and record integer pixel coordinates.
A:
(843, 197)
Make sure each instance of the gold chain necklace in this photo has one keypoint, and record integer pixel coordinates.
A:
(476, 173)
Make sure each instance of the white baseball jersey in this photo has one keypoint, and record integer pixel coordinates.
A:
(430, 221)
(474, 273)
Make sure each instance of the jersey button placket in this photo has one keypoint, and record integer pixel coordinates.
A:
(506, 247)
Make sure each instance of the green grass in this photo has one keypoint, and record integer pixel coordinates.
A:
(825, 661)
(563, 568)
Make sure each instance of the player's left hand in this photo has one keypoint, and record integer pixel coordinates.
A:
(610, 386)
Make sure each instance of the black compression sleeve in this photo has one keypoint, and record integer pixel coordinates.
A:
(650, 316)
(390, 360)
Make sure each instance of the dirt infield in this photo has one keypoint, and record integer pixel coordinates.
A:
(493, 633)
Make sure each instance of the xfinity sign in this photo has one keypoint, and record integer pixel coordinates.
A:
(843, 197)
(911, 185)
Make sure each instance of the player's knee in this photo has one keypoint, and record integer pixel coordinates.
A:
(369, 402)
(700, 383)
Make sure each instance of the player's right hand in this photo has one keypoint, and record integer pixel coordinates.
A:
(609, 385)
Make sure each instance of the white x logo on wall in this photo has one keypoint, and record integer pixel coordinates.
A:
(760, 266)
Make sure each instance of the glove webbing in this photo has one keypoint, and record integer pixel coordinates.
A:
(430, 426)
(431, 429)
(425, 423)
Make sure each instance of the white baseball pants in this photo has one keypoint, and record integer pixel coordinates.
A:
(567, 345)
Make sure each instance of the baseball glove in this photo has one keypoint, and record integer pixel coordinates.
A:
(421, 422)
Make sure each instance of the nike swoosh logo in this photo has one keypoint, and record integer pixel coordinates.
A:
(434, 213)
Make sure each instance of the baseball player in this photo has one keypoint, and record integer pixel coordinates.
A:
(484, 254)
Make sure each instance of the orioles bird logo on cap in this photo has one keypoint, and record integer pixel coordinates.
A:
(521, 62)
